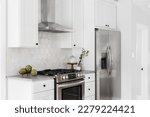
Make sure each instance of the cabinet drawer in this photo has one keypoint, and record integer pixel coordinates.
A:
(39, 86)
(89, 89)
(46, 95)
(90, 98)
(89, 77)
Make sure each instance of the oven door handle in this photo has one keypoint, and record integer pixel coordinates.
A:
(70, 84)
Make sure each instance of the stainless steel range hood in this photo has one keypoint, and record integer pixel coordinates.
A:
(48, 7)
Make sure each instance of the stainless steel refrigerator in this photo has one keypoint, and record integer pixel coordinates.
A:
(108, 64)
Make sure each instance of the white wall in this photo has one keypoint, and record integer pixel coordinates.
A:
(47, 56)
(129, 16)
(139, 17)
(125, 26)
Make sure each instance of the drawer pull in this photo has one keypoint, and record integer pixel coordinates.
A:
(89, 89)
(44, 85)
(89, 77)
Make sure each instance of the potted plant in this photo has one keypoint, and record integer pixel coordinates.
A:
(83, 54)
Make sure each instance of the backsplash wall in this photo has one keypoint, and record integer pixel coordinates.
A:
(47, 55)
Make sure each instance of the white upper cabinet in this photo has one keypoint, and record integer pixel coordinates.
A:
(22, 23)
(105, 14)
(63, 16)
(63, 12)
(78, 24)
(73, 16)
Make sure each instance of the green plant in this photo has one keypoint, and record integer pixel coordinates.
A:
(83, 54)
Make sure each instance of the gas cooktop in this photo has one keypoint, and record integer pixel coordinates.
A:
(63, 75)
(53, 72)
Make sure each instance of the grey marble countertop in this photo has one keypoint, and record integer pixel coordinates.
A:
(42, 77)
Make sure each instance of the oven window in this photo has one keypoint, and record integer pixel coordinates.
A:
(72, 93)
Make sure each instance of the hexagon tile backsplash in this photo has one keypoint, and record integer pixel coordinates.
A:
(47, 56)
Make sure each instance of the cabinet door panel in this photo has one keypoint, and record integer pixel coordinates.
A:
(63, 16)
(39, 86)
(89, 77)
(90, 98)
(78, 23)
(29, 23)
(89, 89)
(45, 95)
(63, 12)
(99, 13)
(105, 14)
(22, 23)
(109, 15)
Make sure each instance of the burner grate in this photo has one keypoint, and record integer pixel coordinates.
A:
(53, 72)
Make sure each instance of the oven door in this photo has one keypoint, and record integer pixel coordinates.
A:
(70, 90)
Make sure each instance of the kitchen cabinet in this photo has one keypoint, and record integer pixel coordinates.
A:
(22, 23)
(105, 14)
(78, 23)
(38, 88)
(77, 17)
(90, 86)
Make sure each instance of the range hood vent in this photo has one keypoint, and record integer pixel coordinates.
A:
(46, 7)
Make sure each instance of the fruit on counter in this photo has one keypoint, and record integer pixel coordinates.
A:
(28, 68)
(22, 71)
(34, 72)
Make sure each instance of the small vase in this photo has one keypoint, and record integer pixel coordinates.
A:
(79, 67)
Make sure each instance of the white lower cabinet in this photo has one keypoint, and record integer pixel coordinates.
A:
(90, 97)
(90, 86)
(45, 95)
(89, 89)
(30, 89)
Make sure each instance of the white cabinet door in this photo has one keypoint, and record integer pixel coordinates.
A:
(63, 16)
(90, 86)
(90, 98)
(22, 23)
(90, 77)
(63, 12)
(89, 89)
(73, 17)
(39, 86)
(78, 23)
(45, 95)
(30, 89)
(105, 14)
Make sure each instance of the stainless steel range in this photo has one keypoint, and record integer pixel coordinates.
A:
(69, 84)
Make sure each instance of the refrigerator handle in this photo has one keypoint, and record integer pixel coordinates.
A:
(109, 60)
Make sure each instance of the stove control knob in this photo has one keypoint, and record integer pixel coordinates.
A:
(63, 77)
(67, 77)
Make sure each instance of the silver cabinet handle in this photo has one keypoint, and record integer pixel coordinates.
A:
(71, 84)
(109, 60)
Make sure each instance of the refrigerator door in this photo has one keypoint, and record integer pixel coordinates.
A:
(107, 64)
(102, 80)
(115, 48)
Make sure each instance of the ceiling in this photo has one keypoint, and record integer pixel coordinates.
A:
(143, 4)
